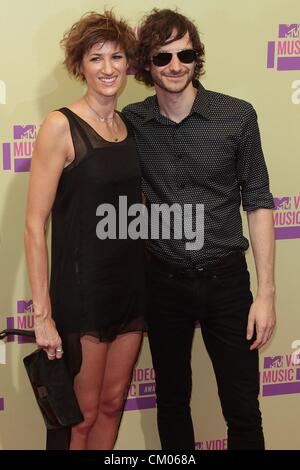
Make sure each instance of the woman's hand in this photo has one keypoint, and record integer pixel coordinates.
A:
(47, 337)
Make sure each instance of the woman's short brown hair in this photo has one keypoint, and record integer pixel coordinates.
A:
(155, 30)
(93, 28)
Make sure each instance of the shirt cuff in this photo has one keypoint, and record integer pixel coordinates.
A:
(251, 202)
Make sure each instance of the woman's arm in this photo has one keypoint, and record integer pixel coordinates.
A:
(49, 158)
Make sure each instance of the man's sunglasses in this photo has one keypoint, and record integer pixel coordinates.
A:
(187, 56)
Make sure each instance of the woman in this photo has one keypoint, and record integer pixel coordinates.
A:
(85, 156)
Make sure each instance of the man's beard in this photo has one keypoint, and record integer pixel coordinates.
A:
(161, 84)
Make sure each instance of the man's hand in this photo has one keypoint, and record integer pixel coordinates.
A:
(262, 316)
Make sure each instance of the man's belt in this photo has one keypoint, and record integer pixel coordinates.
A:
(232, 260)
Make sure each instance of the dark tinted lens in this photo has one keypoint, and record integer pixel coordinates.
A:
(161, 59)
(187, 57)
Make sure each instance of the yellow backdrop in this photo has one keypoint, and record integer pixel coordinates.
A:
(253, 52)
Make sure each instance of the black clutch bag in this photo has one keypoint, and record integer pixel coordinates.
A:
(52, 386)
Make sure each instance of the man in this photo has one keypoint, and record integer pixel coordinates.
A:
(201, 147)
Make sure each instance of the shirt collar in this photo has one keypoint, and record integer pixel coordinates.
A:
(200, 105)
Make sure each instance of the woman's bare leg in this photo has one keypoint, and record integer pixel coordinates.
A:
(120, 359)
(87, 385)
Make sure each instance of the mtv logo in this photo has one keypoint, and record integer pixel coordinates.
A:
(24, 306)
(282, 203)
(25, 132)
(273, 362)
(288, 57)
(2, 353)
(289, 30)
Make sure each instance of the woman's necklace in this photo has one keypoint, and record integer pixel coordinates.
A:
(108, 119)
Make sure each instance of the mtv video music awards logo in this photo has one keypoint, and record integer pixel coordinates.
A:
(281, 375)
(24, 320)
(214, 444)
(141, 394)
(286, 49)
(287, 217)
(2, 92)
(17, 154)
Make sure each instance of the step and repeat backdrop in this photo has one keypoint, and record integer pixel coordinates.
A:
(252, 52)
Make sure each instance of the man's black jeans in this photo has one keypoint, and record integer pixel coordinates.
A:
(220, 299)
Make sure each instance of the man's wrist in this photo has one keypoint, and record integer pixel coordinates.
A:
(266, 291)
